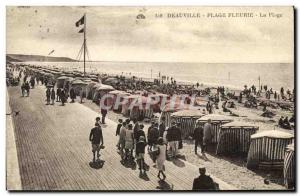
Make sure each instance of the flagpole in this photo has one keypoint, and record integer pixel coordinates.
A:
(84, 44)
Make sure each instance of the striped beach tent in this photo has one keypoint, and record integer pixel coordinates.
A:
(170, 108)
(78, 86)
(112, 97)
(187, 120)
(289, 167)
(267, 149)
(235, 137)
(216, 120)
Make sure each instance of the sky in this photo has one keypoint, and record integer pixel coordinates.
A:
(115, 34)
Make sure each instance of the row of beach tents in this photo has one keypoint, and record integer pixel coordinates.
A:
(265, 149)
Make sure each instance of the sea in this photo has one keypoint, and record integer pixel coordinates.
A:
(231, 75)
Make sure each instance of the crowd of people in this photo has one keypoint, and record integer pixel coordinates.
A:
(163, 144)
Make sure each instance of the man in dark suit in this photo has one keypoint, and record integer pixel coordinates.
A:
(96, 138)
(203, 182)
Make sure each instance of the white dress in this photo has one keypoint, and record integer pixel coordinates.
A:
(161, 157)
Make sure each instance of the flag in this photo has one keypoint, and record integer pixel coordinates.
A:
(51, 52)
(80, 21)
(81, 31)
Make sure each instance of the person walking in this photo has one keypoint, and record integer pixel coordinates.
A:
(23, 89)
(48, 95)
(27, 88)
(118, 132)
(129, 142)
(81, 95)
(153, 135)
(96, 138)
(52, 96)
(162, 127)
(140, 152)
(103, 112)
(63, 97)
(198, 137)
(161, 158)
(203, 182)
(72, 94)
(172, 140)
(122, 140)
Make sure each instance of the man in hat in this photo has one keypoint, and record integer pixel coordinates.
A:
(203, 182)
(96, 138)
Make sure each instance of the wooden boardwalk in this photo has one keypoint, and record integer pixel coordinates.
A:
(54, 152)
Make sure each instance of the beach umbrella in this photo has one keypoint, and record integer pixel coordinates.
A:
(216, 120)
(267, 149)
(289, 166)
(187, 120)
(235, 138)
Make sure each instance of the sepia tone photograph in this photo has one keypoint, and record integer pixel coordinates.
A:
(150, 98)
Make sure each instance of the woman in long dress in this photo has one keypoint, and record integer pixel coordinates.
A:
(161, 157)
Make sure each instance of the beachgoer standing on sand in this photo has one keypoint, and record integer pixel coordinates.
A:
(118, 132)
(198, 137)
(48, 95)
(203, 182)
(140, 152)
(52, 96)
(208, 135)
(161, 158)
(129, 142)
(96, 138)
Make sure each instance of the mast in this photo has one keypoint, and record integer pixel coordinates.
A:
(84, 44)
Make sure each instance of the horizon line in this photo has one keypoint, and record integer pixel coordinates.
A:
(132, 61)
